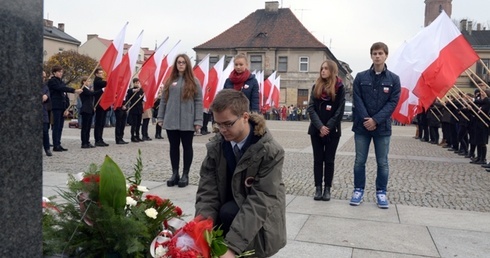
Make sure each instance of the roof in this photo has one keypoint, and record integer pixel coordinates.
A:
(478, 38)
(54, 32)
(265, 29)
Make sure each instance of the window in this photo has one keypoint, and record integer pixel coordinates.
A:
(227, 60)
(256, 62)
(212, 61)
(480, 69)
(303, 64)
(282, 65)
(302, 92)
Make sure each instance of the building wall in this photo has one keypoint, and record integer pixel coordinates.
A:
(54, 46)
(93, 48)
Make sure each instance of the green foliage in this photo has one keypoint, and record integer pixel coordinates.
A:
(74, 65)
(216, 242)
(112, 187)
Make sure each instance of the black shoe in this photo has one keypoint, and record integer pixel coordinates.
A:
(121, 142)
(462, 154)
(101, 144)
(57, 149)
(488, 169)
(48, 153)
(146, 138)
(481, 162)
(85, 146)
(174, 180)
(139, 139)
(318, 193)
(326, 194)
(469, 156)
(184, 180)
(486, 165)
(158, 137)
(134, 139)
(63, 149)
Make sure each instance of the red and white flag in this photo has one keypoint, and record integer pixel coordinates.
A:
(268, 89)
(429, 64)
(201, 71)
(276, 92)
(211, 89)
(149, 75)
(167, 64)
(225, 75)
(259, 76)
(119, 80)
(114, 53)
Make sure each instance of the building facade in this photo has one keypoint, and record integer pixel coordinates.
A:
(56, 40)
(274, 40)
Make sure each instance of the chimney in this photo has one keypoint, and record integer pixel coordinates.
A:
(61, 26)
(91, 36)
(272, 6)
(463, 24)
(470, 27)
(478, 26)
(48, 23)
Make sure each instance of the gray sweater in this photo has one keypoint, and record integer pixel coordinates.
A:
(178, 114)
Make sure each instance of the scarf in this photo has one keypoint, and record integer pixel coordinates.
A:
(239, 79)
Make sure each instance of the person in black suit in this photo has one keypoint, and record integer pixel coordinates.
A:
(100, 113)
(87, 111)
(59, 104)
(134, 102)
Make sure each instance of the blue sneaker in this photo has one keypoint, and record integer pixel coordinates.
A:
(357, 196)
(381, 199)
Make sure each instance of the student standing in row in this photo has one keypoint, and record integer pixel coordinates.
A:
(242, 80)
(180, 113)
(376, 94)
(87, 97)
(325, 108)
(134, 102)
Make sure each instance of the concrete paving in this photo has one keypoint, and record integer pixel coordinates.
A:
(439, 203)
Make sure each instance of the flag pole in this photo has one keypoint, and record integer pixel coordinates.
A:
(455, 117)
(466, 104)
(471, 78)
(435, 115)
(454, 105)
(478, 108)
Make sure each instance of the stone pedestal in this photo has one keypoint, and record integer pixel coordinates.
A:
(21, 47)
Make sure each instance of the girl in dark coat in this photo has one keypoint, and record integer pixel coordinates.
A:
(325, 108)
(241, 79)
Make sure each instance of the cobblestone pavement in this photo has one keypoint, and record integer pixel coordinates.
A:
(421, 174)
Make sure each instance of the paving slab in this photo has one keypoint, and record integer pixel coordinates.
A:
(461, 243)
(364, 234)
(361, 253)
(342, 209)
(304, 249)
(455, 219)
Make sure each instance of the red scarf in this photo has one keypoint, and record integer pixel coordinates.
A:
(239, 79)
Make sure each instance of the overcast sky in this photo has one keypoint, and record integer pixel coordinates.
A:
(347, 27)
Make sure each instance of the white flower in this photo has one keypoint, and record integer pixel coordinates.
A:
(152, 213)
(79, 176)
(160, 251)
(130, 201)
(143, 189)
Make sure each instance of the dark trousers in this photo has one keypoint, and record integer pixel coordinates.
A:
(121, 116)
(446, 132)
(57, 129)
(144, 127)
(227, 214)
(46, 136)
(463, 138)
(86, 126)
(158, 130)
(100, 118)
(205, 120)
(324, 158)
(135, 121)
(453, 132)
(424, 132)
(434, 134)
(174, 139)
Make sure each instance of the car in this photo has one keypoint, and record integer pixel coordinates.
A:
(347, 112)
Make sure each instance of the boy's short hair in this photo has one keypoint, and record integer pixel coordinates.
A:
(231, 99)
(135, 80)
(378, 46)
(56, 68)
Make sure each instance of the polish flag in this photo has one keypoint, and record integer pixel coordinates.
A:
(213, 80)
(429, 64)
(114, 53)
(276, 92)
(225, 75)
(201, 71)
(167, 64)
(149, 75)
(119, 80)
(268, 89)
(259, 76)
